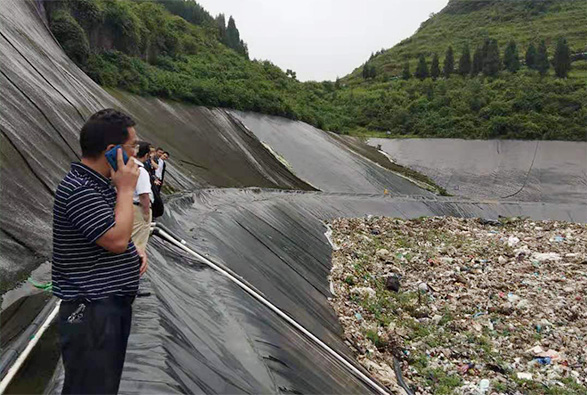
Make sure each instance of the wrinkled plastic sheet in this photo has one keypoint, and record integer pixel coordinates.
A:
(324, 161)
(207, 145)
(539, 171)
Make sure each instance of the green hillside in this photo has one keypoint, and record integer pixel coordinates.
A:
(471, 22)
(175, 49)
(524, 104)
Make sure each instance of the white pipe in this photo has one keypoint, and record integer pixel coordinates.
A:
(25, 353)
(277, 311)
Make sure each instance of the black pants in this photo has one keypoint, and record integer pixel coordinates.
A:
(93, 337)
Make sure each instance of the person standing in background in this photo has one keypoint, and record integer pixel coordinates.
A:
(160, 168)
(142, 199)
(151, 162)
(165, 157)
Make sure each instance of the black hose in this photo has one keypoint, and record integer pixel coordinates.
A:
(400, 378)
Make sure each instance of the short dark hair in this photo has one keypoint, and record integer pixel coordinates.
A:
(159, 149)
(105, 127)
(167, 153)
(144, 149)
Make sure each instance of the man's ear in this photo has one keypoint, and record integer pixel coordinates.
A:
(109, 147)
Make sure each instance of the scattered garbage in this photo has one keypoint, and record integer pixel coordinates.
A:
(483, 386)
(544, 360)
(482, 307)
(392, 283)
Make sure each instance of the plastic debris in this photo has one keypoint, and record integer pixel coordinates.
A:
(484, 386)
(512, 241)
(548, 256)
(544, 360)
(477, 302)
(524, 376)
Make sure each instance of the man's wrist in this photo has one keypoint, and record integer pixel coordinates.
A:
(124, 193)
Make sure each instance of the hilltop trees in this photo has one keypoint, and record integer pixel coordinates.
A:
(487, 60)
(435, 67)
(562, 58)
(422, 68)
(465, 61)
(449, 63)
(511, 58)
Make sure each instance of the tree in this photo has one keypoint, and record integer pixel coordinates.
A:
(511, 58)
(449, 63)
(232, 34)
(221, 23)
(542, 64)
(292, 74)
(435, 67)
(562, 58)
(406, 75)
(465, 61)
(531, 57)
(369, 71)
(477, 66)
(491, 62)
(422, 68)
(233, 39)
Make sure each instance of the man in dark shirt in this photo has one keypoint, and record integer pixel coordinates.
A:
(95, 266)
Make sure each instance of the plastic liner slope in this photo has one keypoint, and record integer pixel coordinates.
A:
(545, 171)
(45, 100)
(325, 162)
(199, 333)
(208, 144)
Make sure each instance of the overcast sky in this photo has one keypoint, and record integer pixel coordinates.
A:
(322, 39)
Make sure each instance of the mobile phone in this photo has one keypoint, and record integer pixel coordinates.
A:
(112, 159)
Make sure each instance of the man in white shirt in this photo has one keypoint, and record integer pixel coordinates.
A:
(142, 199)
(160, 171)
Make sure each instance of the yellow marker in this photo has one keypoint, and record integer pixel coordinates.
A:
(385, 192)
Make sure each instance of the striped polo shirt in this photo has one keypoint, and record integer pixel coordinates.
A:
(83, 212)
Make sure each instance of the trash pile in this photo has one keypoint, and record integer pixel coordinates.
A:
(467, 306)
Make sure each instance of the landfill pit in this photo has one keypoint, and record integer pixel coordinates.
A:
(468, 306)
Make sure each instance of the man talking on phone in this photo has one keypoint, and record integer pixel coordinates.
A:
(95, 265)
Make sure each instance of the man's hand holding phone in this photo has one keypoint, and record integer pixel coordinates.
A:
(126, 176)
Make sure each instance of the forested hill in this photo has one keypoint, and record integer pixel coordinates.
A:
(523, 76)
(469, 23)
